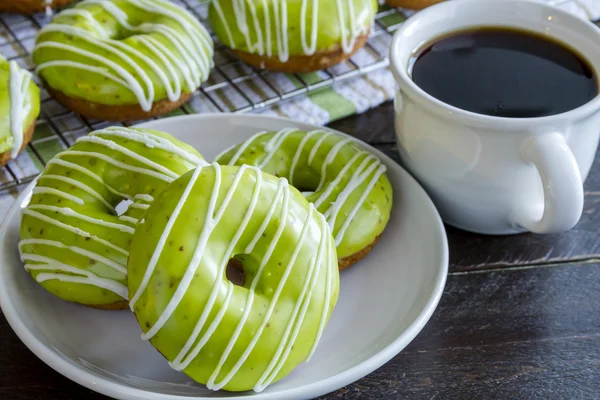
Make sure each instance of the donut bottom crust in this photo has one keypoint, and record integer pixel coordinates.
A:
(5, 157)
(302, 64)
(30, 6)
(347, 261)
(121, 112)
(412, 4)
(118, 305)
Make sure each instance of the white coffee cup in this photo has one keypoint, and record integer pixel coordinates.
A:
(491, 174)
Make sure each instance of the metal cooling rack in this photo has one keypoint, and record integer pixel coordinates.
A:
(232, 87)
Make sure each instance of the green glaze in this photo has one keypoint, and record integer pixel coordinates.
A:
(175, 261)
(101, 175)
(373, 212)
(32, 102)
(330, 31)
(92, 27)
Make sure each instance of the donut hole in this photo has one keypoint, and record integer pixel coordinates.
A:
(235, 271)
(306, 185)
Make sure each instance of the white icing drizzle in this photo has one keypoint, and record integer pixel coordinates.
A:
(56, 192)
(151, 141)
(83, 170)
(274, 143)
(83, 276)
(140, 206)
(370, 165)
(329, 159)
(317, 146)
(328, 289)
(19, 86)
(116, 147)
(80, 185)
(359, 176)
(310, 49)
(242, 147)
(128, 219)
(276, 14)
(298, 152)
(77, 250)
(197, 55)
(340, 235)
(144, 197)
(282, 199)
(116, 163)
(71, 213)
(71, 228)
(332, 185)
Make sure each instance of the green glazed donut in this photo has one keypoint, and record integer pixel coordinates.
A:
(293, 35)
(123, 59)
(72, 240)
(233, 336)
(346, 183)
(19, 108)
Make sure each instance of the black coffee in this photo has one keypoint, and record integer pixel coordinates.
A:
(504, 73)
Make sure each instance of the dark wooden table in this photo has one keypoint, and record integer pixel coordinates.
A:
(519, 318)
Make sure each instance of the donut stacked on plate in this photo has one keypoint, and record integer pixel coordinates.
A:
(231, 268)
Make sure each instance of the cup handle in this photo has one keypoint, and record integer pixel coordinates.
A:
(563, 187)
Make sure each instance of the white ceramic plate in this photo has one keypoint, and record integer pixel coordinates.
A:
(385, 300)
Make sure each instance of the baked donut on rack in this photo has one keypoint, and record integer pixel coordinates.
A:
(72, 240)
(122, 60)
(345, 182)
(227, 333)
(293, 36)
(32, 6)
(19, 109)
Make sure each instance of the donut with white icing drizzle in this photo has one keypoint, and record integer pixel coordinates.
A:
(293, 36)
(19, 109)
(123, 59)
(345, 182)
(72, 240)
(233, 334)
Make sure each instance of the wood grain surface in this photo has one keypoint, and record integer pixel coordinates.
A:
(519, 318)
